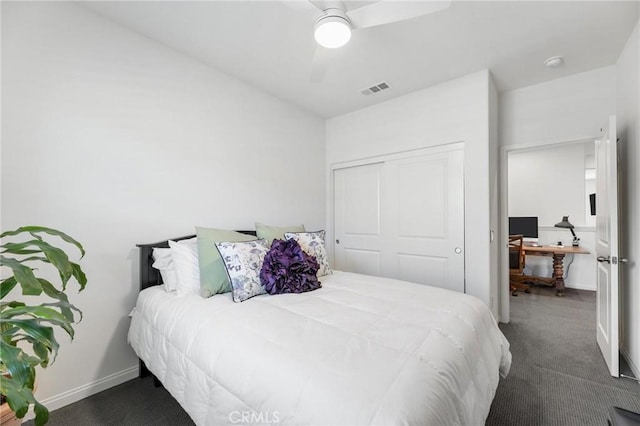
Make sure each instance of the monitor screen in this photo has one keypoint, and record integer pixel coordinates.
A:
(527, 226)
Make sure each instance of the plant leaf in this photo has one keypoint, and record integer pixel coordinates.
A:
(42, 229)
(24, 275)
(79, 275)
(18, 248)
(14, 359)
(53, 255)
(42, 414)
(58, 258)
(42, 313)
(34, 258)
(22, 325)
(19, 395)
(32, 328)
(11, 304)
(6, 286)
(18, 403)
(51, 291)
(41, 352)
(33, 361)
(66, 305)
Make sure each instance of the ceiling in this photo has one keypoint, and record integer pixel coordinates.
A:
(270, 45)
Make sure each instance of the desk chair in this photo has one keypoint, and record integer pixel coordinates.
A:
(517, 277)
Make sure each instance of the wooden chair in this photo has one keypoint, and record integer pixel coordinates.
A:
(517, 278)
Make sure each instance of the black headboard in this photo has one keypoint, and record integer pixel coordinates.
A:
(150, 276)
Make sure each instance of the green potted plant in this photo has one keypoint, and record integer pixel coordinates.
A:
(27, 337)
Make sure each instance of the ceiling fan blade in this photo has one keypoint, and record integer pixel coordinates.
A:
(319, 64)
(303, 6)
(388, 11)
(323, 5)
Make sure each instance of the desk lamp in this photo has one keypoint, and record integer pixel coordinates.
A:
(564, 223)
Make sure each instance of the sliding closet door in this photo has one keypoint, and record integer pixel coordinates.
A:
(357, 219)
(424, 218)
(403, 218)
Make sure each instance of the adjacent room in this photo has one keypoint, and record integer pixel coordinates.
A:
(320, 212)
(545, 186)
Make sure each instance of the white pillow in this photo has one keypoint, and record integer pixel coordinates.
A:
(184, 255)
(163, 262)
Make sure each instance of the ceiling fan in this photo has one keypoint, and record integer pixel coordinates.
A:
(336, 19)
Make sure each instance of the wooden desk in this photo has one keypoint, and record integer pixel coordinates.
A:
(558, 254)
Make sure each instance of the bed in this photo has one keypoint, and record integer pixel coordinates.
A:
(360, 350)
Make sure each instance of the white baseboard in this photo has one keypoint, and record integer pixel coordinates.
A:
(579, 287)
(74, 395)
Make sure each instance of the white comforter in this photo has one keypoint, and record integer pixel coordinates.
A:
(360, 350)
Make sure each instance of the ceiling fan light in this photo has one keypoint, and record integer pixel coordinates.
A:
(332, 32)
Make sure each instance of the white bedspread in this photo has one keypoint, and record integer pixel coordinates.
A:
(360, 350)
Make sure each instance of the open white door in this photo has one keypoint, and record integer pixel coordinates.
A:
(607, 246)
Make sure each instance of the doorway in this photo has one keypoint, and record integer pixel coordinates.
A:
(606, 231)
(550, 182)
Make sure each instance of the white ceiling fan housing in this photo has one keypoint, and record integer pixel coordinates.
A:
(333, 29)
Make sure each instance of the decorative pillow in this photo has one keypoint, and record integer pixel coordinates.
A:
(243, 261)
(213, 275)
(288, 269)
(313, 244)
(184, 255)
(164, 263)
(271, 233)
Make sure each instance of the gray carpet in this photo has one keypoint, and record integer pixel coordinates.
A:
(558, 376)
(136, 402)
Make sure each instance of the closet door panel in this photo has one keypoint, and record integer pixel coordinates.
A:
(357, 218)
(425, 219)
(421, 198)
(421, 269)
(362, 261)
(403, 218)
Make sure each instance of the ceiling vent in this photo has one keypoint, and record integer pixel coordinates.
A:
(375, 89)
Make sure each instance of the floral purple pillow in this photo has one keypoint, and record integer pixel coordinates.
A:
(288, 269)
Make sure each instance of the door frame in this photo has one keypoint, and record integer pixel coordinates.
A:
(504, 308)
(330, 231)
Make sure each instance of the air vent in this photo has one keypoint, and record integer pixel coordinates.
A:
(375, 89)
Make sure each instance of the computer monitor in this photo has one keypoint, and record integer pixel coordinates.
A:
(527, 226)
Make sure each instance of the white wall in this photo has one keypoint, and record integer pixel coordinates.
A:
(628, 116)
(118, 140)
(451, 112)
(567, 109)
(550, 183)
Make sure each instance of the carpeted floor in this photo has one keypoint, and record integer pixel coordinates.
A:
(558, 376)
